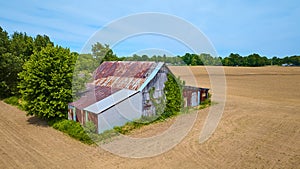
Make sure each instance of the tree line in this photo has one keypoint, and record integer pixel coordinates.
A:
(257, 60)
(252, 60)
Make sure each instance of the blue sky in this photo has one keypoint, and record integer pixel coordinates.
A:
(269, 28)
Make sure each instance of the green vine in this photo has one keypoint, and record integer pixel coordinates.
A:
(174, 99)
(159, 103)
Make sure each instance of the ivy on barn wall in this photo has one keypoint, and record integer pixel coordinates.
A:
(158, 103)
(174, 99)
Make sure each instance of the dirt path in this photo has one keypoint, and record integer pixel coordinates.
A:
(260, 128)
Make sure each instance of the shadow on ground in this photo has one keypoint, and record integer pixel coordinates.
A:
(37, 121)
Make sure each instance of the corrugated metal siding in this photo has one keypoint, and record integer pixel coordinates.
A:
(70, 113)
(158, 82)
(159, 68)
(190, 95)
(109, 101)
(127, 110)
(194, 99)
(193, 96)
(80, 116)
(94, 118)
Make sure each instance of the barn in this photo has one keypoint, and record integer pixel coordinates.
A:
(120, 93)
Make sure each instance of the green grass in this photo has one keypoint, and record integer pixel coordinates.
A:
(205, 104)
(15, 101)
(105, 137)
(73, 129)
(128, 127)
(143, 121)
(86, 134)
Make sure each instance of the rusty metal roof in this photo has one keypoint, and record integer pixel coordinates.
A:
(113, 76)
(129, 75)
(93, 95)
(120, 82)
(124, 69)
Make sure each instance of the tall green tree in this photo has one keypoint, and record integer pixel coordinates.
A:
(187, 58)
(22, 46)
(14, 52)
(41, 41)
(110, 56)
(235, 59)
(10, 62)
(4, 41)
(46, 82)
(103, 53)
(276, 61)
(85, 65)
(254, 60)
(295, 60)
(10, 66)
(4, 63)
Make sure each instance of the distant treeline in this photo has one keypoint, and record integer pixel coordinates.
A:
(252, 60)
(257, 60)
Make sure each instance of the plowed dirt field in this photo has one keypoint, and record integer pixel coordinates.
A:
(260, 128)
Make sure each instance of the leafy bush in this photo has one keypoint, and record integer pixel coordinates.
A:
(90, 127)
(46, 82)
(73, 129)
(174, 99)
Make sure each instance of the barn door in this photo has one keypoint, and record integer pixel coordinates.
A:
(194, 99)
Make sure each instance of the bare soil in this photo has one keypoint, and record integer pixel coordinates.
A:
(260, 128)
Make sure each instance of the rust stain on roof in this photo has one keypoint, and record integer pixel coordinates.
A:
(111, 77)
(129, 75)
(93, 95)
(124, 69)
(120, 82)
